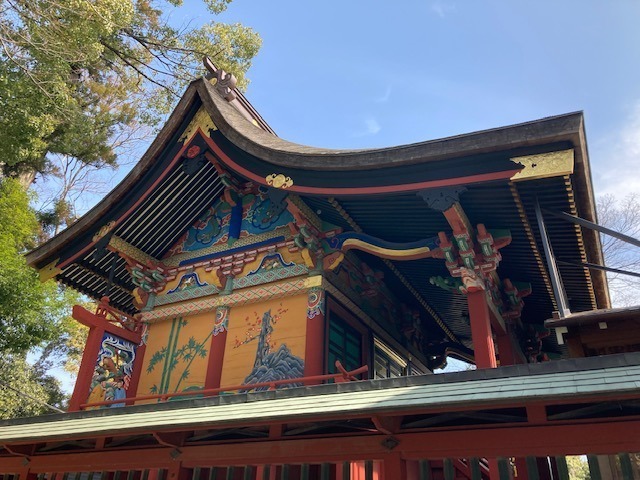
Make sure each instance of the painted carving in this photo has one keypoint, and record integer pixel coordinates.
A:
(315, 307)
(271, 262)
(225, 82)
(188, 281)
(223, 224)
(112, 373)
(222, 320)
(104, 230)
(278, 180)
(426, 248)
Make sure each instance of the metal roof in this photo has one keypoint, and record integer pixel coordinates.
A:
(590, 378)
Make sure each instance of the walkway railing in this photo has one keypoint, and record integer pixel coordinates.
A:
(342, 376)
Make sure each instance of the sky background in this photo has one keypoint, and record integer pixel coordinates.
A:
(360, 74)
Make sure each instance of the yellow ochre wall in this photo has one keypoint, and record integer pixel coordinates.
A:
(178, 349)
(289, 328)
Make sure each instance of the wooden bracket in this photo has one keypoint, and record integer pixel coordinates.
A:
(387, 425)
(170, 439)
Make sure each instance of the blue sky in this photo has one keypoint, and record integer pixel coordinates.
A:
(359, 74)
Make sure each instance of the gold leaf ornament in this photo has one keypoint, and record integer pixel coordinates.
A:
(279, 181)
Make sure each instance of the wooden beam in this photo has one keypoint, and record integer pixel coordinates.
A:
(514, 441)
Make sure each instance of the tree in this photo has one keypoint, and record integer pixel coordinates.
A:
(578, 468)
(72, 70)
(32, 314)
(29, 310)
(624, 217)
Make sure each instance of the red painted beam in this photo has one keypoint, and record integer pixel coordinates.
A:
(516, 441)
(92, 320)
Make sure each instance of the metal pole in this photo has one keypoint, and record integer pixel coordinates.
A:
(556, 280)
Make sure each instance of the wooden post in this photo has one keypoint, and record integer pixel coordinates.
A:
(485, 354)
(394, 467)
(217, 347)
(314, 342)
(87, 367)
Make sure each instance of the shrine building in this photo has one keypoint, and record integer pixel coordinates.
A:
(267, 310)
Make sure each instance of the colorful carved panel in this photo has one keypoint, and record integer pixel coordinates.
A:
(112, 373)
(265, 341)
(177, 353)
(225, 223)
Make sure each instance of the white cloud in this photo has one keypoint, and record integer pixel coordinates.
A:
(442, 8)
(384, 98)
(371, 127)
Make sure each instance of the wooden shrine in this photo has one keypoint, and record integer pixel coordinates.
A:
(270, 310)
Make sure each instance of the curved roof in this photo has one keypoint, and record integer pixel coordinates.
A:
(372, 190)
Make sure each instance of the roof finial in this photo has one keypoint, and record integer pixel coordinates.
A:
(225, 82)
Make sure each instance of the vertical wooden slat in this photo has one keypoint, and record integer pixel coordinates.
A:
(230, 472)
(195, 473)
(213, 473)
(284, 473)
(325, 471)
(425, 470)
(563, 468)
(248, 472)
(474, 467)
(116, 475)
(625, 466)
(368, 470)
(131, 475)
(449, 471)
(504, 469)
(594, 467)
(143, 476)
(304, 471)
(346, 471)
(532, 468)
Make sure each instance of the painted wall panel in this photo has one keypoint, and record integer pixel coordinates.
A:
(177, 354)
(266, 341)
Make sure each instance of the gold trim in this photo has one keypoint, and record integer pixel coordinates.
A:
(135, 253)
(544, 165)
(278, 180)
(104, 230)
(49, 271)
(200, 120)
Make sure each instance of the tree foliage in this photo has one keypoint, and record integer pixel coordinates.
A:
(75, 73)
(622, 216)
(28, 309)
(578, 468)
(24, 391)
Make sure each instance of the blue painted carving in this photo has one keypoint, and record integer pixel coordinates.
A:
(222, 223)
(271, 262)
(187, 282)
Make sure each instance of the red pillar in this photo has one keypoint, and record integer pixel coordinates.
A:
(87, 368)
(485, 354)
(394, 468)
(314, 342)
(216, 348)
(506, 350)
